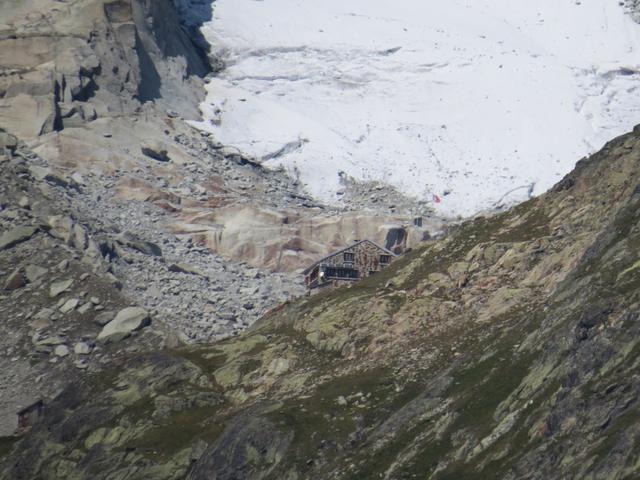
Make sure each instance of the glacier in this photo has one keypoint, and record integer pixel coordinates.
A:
(465, 104)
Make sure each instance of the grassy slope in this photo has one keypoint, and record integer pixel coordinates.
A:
(506, 350)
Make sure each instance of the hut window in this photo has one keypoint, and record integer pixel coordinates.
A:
(348, 257)
(341, 273)
(385, 259)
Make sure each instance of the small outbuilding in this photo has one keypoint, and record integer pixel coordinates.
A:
(348, 265)
(28, 416)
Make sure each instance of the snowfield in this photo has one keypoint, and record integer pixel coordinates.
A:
(465, 100)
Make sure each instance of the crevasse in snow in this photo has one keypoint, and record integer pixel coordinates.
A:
(472, 98)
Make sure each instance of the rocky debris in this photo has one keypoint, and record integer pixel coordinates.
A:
(65, 281)
(378, 196)
(125, 322)
(16, 236)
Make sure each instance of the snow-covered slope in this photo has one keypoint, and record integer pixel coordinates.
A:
(463, 99)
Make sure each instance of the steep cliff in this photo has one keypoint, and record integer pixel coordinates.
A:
(68, 63)
(508, 349)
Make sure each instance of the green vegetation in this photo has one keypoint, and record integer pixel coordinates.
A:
(6, 444)
(178, 431)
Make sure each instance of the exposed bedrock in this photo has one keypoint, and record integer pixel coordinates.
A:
(67, 64)
(286, 240)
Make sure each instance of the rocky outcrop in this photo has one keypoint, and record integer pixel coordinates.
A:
(507, 349)
(287, 240)
(65, 66)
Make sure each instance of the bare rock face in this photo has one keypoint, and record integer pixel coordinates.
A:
(289, 240)
(74, 64)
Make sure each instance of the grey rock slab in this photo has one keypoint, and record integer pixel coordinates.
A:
(85, 308)
(50, 341)
(70, 305)
(16, 236)
(105, 317)
(39, 173)
(127, 321)
(35, 273)
(44, 314)
(60, 287)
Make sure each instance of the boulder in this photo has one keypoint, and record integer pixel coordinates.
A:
(64, 228)
(82, 348)
(8, 141)
(142, 246)
(60, 287)
(16, 236)
(85, 308)
(127, 320)
(156, 151)
(15, 281)
(185, 268)
(34, 273)
(61, 351)
(39, 173)
(24, 202)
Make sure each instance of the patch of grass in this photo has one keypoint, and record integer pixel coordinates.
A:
(422, 464)
(485, 386)
(208, 359)
(613, 433)
(178, 431)
(534, 224)
(6, 444)
(319, 417)
(249, 366)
